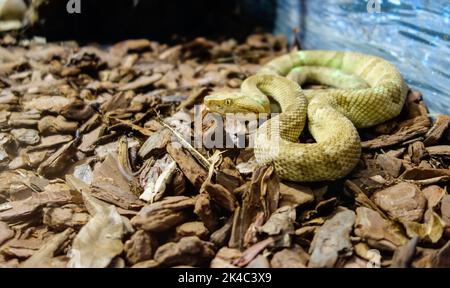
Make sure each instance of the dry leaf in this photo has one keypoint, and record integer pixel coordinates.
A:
(431, 230)
(100, 240)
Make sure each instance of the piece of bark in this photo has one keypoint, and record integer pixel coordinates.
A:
(52, 125)
(229, 178)
(377, 231)
(29, 208)
(396, 153)
(28, 119)
(188, 251)
(290, 258)
(113, 178)
(326, 206)
(263, 196)
(77, 111)
(437, 130)
(386, 127)
(434, 195)
(58, 162)
(14, 252)
(52, 104)
(155, 144)
(236, 235)
(195, 228)
(416, 152)
(26, 136)
(224, 257)
(90, 138)
(439, 150)
(390, 164)
(445, 209)
(28, 159)
(419, 173)
(193, 171)
(164, 214)
(119, 101)
(280, 226)
(5, 233)
(132, 46)
(424, 258)
(205, 211)
(141, 82)
(51, 142)
(293, 194)
(403, 201)
(20, 184)
(147, 264)
(356, 262)
(43, 257)
(140, 247)
(221, 196)
(441, 259)
(117, 262)
(332, 240)
(403, 256)
(361, 198)
(306, 232)
(220, 236)
(8, 146)
(178, 184)
(407, 130)
(61, 218)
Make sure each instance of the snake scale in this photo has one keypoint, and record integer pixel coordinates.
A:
(363, 91)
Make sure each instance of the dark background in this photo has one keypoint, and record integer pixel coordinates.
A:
(163, 20)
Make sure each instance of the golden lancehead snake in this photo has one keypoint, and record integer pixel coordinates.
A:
(364, 91)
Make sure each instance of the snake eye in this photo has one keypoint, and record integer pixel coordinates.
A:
(228, 102)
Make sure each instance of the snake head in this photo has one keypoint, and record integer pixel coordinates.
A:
(235, 102)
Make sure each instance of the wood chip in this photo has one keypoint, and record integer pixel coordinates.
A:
(193, 171)
(141, 82)
(440, 150)
(437, 130)
(188, 251)
(332, 240)
(407, 130)
(164, 214)
(391, 165)
(403, 201)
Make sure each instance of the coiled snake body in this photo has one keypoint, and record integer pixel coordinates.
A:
(365, 91)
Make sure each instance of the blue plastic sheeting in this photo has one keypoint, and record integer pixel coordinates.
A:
(412, 34)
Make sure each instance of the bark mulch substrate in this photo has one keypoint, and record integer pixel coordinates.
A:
(90, 176)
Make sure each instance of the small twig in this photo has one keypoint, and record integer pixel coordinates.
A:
(215, 160)
(200, 158)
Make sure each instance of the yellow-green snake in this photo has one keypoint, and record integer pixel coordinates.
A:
(364, 91)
